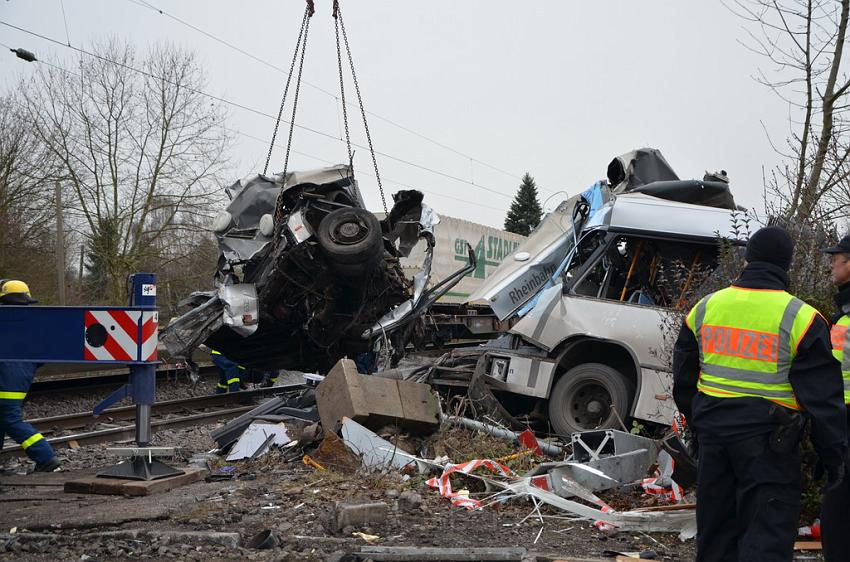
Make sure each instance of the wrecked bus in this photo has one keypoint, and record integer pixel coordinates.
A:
(591, 291)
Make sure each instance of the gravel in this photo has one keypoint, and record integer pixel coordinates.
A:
(297, 502)
(190, 440)
(77, 401)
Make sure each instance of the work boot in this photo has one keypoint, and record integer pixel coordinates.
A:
(49, 465)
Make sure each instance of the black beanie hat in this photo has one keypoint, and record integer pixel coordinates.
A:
(771, 244)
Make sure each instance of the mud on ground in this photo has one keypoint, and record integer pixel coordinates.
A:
(296, 502)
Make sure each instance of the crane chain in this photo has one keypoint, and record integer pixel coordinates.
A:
(337, 13)
(342, 91)
(304, 24)
(295, 101)
(278, 212)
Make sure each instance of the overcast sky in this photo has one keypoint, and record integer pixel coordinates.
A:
(553, 88)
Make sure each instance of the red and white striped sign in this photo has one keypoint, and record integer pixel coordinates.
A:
(117, 340)
(150, 321)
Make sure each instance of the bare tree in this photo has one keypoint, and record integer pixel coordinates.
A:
(139, 148)
(183, 263)
(26, 205)
(23, 189)
(804, 42)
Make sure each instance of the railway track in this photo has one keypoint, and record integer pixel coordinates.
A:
(50, 381)
(118, 424)
(54, 383)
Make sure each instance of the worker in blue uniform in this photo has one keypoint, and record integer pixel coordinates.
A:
(15, 381)
(229, 373)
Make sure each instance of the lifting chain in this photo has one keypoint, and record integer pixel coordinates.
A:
(339, 25)
(295, 101)
(302, 43)
(342, 91)
(302, 34)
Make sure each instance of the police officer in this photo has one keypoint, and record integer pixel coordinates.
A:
(229, 373)
(748, 360)
(15, 381)
(835, 513)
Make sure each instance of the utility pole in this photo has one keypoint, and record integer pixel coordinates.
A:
(82, 264)
(60, 245)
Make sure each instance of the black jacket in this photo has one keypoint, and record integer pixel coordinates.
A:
(842, 303)
(815, 376)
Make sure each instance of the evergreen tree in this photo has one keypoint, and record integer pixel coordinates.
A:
(525, 211)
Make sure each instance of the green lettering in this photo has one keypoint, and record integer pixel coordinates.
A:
(460, 246)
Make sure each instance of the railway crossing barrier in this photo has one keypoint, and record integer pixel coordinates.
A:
(99, 335)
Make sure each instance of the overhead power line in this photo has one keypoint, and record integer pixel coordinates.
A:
(307, 155)
(150, 6)
(396, 182)
(257, 111)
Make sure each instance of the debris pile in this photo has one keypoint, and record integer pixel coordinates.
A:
(353, 425)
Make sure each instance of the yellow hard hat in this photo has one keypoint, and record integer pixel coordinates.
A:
(13, 291)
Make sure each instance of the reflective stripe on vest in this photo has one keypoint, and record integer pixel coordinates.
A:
(214, 352)
(838, 336)
(12, 395)
(747, 341)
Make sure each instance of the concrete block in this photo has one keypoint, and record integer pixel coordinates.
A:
(359, 515)
(374, 401)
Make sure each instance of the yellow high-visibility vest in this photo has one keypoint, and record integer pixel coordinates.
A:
(748, 339)
(838, 336)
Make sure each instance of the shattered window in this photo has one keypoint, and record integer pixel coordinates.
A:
(643, 271)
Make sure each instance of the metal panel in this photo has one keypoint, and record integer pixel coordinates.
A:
(558, 317)
(637, 212)
(528, 376)
(635, 327)
(654, 397)
(517, 280)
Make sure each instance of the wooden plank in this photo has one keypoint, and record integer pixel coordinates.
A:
(92, 484)
(146, 488)
(107, 486)
(78, 486)
(43, 478)
(120, 487)
(808, 545)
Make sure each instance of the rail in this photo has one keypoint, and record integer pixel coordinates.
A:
(83, 380)
(222, 405)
